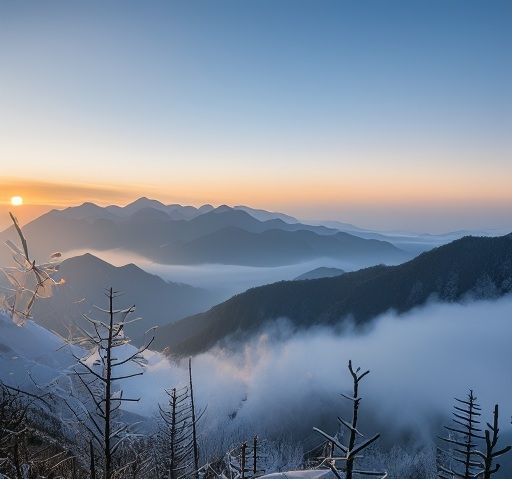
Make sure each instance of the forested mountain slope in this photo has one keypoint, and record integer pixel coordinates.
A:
(476, 267)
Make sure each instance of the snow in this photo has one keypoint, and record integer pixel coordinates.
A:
(30, 353)
(309, 474)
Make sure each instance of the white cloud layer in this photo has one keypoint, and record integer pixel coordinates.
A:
(418, 362)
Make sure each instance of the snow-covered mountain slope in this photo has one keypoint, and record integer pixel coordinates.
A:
(30, 354)
(32, 357)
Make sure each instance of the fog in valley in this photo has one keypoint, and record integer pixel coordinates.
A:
(419, 362)
(223, 280)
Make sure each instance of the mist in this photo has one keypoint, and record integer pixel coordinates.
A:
(419, 362)
(235, 278)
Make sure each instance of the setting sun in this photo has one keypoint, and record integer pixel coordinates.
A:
(16, 201)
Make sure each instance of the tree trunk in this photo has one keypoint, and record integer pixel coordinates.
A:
(108, 376)
(194, 432)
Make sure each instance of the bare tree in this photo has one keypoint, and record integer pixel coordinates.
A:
(249, 459)
(177, 437)
(194, 420)
(351, 451)
(463, 437)
(99, 373)
(487, 458)
(176, 434)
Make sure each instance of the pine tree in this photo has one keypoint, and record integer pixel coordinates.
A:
(463, 437)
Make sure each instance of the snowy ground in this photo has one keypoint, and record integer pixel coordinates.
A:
(310, 474)
(30, 353)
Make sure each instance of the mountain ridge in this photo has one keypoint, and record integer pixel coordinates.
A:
(476, 267)
(152, 233)
(320, 272)
(86, 279)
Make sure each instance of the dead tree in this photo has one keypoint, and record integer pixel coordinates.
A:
(99, 373)
(243, 461)
(177, 434)
(251, 459)
(487, 458)
(463, 437)
(194, 421)
(237, 459)
(255, 456)
(28, 281)
(351, 451)
(92, 465)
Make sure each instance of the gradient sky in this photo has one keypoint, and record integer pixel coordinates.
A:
(385, 114)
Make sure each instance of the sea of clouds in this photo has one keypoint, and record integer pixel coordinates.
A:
(419, 362)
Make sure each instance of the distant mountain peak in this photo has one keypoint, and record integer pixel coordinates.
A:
(263, 215)
(87, 258)
(86, 278)
(222, 209)
(321, 272)
(143, 201)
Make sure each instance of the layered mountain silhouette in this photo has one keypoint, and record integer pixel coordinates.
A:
(86, 280)
(469, 268)
(174, 234)
(322, 272)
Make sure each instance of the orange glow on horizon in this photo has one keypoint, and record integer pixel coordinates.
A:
(366, 201)
(269, 192)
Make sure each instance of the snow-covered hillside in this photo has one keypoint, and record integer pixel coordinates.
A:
(30, 353)
(31, 356)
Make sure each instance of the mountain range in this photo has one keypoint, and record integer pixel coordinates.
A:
(468, 268)
(174, 211)
(174, 234)
(87, 277)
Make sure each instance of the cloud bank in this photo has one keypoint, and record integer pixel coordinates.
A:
(418, 361)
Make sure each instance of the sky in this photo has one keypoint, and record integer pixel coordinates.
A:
(389, 115)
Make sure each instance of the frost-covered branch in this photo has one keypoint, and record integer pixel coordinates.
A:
(28, 281)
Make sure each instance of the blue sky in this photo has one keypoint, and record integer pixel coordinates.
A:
(368, 111)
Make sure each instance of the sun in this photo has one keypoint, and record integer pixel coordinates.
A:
(16, 201)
